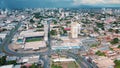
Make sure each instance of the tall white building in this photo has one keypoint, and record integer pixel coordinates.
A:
(46, 31)
(75, 29)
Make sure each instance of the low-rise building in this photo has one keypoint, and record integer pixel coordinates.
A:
(34, 45)
(29, 59)
(31, 33)
(103, 62)
(66, 44)
(7, 66)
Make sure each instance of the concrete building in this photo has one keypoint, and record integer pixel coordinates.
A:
(31, 40)
(75, 29)
(46, 31)
(66, 43)
(104, 62)
(31, 33)
(34, 45)
(4, 34)
(29, 59)
(7, 66)
(63, 60)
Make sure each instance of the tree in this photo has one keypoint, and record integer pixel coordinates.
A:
(53, 32)
(64, 31)
(55, 66)
(99, 53)
(37, 15)
(40, 26)
(68, 22)
(100, 25)
(115, 41)
(118, 46)
(94, 45)
(117, 31)
(11, 62)
(23, 67)
(32, 21)
(3, 60)
(86, 21)
(92, 14)
(117, 63)
(4, 29)
(34, 66)
(96, 29)
(110, 30)
(54, 21)
(111, 49)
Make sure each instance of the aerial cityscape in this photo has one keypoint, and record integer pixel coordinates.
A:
(60, 34)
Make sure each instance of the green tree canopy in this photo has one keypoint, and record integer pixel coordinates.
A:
(118, 46)
(117, 63)
(115, 41)
(3, 60)
(99, 53)
(32, 21)
(53, 32)
(55, 66)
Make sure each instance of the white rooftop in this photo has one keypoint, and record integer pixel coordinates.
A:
(68, 42)
(7, 66)
(29, 59)
(104, 62)
(63, 59)
(31, 33)
(34, 45)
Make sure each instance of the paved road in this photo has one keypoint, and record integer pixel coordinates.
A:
(45, 55)
(4, 47)
(81, 61)
(8, 39)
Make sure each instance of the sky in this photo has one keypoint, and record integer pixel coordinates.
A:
(57, 3)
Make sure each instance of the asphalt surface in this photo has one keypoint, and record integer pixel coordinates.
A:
(45, 55)
(4, 47)
(81, 61)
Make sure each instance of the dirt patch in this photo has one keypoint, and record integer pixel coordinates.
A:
(66, 64)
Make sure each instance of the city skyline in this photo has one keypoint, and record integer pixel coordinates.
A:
(58, 3)
(59, 33)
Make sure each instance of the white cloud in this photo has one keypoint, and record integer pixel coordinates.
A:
(60, 0)
(92, 2)
(113, 2)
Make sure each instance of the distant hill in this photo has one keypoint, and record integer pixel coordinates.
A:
(87, 6)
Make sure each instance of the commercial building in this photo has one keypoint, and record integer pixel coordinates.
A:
(66, 43)
(46, 31)
(34, 45)
(104, 62)
(29, 59)
(31, 40)
(75, 29)
(7, 66)
(31, 33)
(63, 59)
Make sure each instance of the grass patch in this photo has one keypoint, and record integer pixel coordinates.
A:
(64, 65)
(117, 63)
(72, 65)
(33, 39)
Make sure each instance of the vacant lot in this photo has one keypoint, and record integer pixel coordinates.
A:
(66, 64)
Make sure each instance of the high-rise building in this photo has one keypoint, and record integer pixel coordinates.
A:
(46, 31)
(75, 29)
